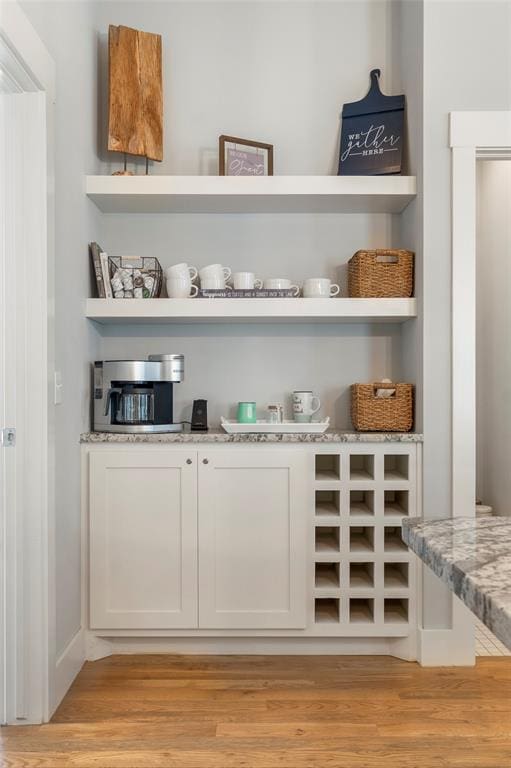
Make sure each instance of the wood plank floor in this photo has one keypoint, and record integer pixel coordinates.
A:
(265, 711)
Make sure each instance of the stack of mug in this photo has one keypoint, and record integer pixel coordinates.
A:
(214, 277)
(180, 279)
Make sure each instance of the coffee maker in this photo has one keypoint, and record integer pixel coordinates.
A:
(136, 396)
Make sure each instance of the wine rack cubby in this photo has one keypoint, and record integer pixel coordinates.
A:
(364, 575)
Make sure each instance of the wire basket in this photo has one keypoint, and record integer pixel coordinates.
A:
(135, 277)
(370, 413)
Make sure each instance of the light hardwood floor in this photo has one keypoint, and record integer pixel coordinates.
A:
(265, 711)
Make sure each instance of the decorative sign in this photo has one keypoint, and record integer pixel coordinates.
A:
(239, 157)
(372, 133)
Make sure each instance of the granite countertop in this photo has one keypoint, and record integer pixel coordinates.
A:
(473, 557)
(219, 436)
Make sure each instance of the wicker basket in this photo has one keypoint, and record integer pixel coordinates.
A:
(382, 414)
(380, 274)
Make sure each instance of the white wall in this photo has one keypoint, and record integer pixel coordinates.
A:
(68, 33)
(493, 319)
(466, 65)
(277, 72)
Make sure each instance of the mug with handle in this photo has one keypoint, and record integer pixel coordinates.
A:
(181, 288)
(304, 407)
(181, 270)
(280, 283)
(216, 270)
(245, 281)
(319, 288)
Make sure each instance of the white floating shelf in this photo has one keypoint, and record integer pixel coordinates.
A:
(108, 311)
(238, 194)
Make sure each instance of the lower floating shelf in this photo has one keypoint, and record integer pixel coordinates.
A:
(108, 311)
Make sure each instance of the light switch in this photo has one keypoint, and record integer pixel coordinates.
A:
(58, 387)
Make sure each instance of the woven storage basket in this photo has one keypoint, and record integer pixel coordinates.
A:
(380, 274)
(382, 414)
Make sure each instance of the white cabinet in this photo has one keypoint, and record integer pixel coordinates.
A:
(252, 539)
(143, 539)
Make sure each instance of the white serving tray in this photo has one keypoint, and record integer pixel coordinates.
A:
(285, 427)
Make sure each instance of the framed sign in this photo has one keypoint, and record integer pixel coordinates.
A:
(240, 157)
(372, 133)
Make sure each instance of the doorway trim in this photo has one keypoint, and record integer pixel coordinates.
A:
(473, 136)
(24, 58)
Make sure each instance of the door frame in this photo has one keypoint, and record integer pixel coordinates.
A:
(473, 136)
(28, 613)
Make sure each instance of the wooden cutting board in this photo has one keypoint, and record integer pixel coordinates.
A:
(135, 103)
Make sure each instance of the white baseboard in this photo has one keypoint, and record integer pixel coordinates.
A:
(67, 667)
(454, 647)
(99, 647)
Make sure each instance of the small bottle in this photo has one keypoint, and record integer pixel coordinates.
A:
(273, 414)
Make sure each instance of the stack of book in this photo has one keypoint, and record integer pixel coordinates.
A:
(101, 271)
(255, 293)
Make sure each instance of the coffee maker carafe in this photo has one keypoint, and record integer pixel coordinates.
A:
(136, 395)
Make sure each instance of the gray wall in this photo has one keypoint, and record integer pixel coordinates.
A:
(277, 72)
(67, 30)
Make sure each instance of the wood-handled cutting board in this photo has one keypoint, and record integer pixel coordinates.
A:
(135, 103)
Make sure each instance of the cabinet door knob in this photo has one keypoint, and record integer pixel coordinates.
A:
(205, 461)
(188, 461)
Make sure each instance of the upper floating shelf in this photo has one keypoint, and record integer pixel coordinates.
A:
(242, 194)
(107, 311)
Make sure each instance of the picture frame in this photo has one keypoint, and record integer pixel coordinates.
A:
(242, 157)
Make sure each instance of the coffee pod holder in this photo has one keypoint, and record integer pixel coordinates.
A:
(285, 427)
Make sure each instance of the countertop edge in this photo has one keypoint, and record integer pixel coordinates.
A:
(485, 604)
(217, 436)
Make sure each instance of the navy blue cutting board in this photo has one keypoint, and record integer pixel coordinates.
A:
(372, 133)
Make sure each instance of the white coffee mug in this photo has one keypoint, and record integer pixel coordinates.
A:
(245, 281)
(214, 284)
(181, 288)
(215, 270)
(181, 270)
(319, 288)
(303, 405)
(280, 283)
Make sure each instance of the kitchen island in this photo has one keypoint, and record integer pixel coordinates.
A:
(473, 557)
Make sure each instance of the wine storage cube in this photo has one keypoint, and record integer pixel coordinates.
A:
(361, 467)
(362, 610)
(361, 504)
(395, 575)
(326, 610)
(327, 467)
(361, 575)
(363, 579)
(396, 467)
(327, 576)
(328, 504)
(327, 539)
(396, 503)
(395, 610)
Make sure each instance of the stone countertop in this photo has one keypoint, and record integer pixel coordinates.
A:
(219, 436)
(473, 557)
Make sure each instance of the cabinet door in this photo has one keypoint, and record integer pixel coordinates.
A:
(143, 539)
(252, 539)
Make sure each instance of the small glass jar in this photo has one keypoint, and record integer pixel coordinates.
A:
(275, 414)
